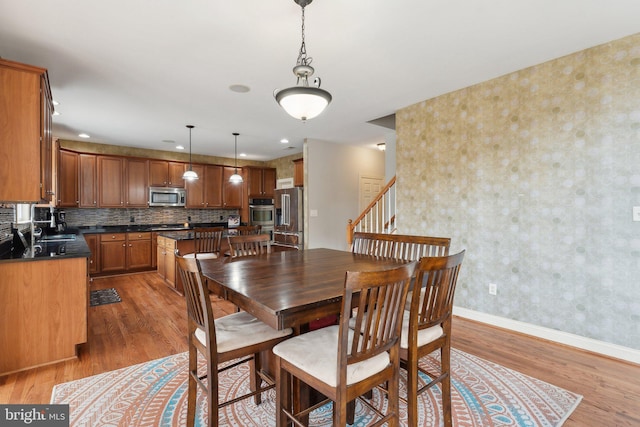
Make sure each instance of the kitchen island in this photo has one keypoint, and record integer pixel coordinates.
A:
(44, 304)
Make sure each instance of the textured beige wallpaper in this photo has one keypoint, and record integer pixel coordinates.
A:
(535, 173)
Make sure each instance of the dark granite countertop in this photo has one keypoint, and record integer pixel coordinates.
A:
(98, 229)
(47, 250)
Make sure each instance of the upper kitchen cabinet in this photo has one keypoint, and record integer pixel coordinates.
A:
(26, 110)
(261, 182)
(136, 183)
(88, 180)
(122, 182)
(231, 192)
(67, 189)
(164, 173)
(205, 192)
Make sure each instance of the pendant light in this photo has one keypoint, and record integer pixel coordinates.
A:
(236, 178)
(303, 101)
(190, 175)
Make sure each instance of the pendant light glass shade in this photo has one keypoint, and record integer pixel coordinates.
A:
(190, 174)
(303, 101)
(236, 178)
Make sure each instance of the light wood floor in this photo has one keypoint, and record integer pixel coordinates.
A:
(150, 323)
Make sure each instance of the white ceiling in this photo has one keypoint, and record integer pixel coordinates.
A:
(135, 72)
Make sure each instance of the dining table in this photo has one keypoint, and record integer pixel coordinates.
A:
(289, 289)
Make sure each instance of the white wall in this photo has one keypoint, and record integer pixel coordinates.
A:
(333, 175)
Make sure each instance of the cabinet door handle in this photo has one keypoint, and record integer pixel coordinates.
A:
(123, 245)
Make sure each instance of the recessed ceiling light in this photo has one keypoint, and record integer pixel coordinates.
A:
(239, 88)
(54, 102)
(56, 113)
(242, 154)
(284, 141)
(179, 147)
(84, 135)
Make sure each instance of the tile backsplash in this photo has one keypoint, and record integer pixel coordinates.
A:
(87, 217)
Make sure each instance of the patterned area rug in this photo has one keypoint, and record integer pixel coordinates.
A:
(154, 394)
(103, 296)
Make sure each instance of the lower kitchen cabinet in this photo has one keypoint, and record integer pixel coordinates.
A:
(44, 304)
(166, 259)
(113, 252)
(139, 251)
(93, 241)
(125, 252)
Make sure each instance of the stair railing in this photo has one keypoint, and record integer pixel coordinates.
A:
(379, 216)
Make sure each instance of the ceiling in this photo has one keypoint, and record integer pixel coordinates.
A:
(135, 72)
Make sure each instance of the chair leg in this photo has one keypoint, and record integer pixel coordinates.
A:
(192, 390)
(254, 379)
(445, 365)
(340, 413)
(393, 394)
(283, 394)
(412, 390)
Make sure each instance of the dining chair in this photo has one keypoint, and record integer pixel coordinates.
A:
(249, 229)
(426, 327)
(249, 244)
(399, 246)
(342, 364)
(236, 338)
(207, 242)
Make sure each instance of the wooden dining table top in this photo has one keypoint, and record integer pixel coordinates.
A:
(288, 288)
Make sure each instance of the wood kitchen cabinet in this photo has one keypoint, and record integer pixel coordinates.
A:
(121, 252)
(167, 260)
(164, 173)
(205, 192)
(67, 189)
(113, 252)
(231, 192)
(87, 181)
(93, 241)
(122, 182)
(44, 305)
(110, 182)
(26, 112)
(136, 189)
(139, 251)
(167, 267)
(261, 182)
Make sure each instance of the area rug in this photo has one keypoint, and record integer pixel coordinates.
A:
(154, 394)
(103, 296)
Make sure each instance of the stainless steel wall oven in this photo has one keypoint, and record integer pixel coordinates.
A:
(262, 212)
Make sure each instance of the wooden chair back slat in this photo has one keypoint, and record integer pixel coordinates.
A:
(399, 246)
(380, 296)
(435, 288)
(208, 239)
(248, 229)
(249, 244)
(196, 294)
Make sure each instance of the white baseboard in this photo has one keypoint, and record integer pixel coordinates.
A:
(601, 347)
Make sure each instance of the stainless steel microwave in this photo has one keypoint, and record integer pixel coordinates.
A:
(164, 196)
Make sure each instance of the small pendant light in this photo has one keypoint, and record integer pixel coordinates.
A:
(190, 175)
(236, 178)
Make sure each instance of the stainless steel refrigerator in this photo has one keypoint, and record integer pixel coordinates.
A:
(289, 229)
